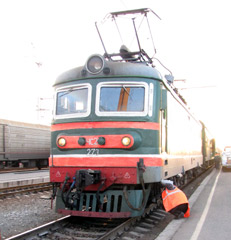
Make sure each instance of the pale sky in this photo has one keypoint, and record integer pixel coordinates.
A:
(192, 40)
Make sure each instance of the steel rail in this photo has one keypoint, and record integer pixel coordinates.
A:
(41, 230)
(5, 192)
(126, 225)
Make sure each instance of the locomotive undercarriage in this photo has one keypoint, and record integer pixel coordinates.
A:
(117, 201)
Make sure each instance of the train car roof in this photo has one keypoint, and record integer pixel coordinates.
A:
(119, 69)
(123, 69)
(23, 124)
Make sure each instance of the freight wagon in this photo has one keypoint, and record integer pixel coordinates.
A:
(24, 144)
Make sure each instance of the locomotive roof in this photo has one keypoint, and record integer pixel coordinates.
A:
(122, 69)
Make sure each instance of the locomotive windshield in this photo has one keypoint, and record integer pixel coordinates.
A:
(124, 99)
(73, 102)
(127, 100)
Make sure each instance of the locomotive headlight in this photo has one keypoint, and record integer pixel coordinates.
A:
(61, 142)
(95, 64)
(126, 141)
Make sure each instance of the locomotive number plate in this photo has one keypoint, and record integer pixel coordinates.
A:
(92, 151)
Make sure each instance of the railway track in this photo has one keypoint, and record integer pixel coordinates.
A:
(149, 226)
(101, 229)
(12, 191)
(17, 169)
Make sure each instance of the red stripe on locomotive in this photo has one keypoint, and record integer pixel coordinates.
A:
(87, 125)
(120, 175)
(100, 161)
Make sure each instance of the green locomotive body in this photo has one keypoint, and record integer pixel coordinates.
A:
(118, 129)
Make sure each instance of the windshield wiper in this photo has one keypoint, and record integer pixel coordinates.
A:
(67, 92)
(125, 89)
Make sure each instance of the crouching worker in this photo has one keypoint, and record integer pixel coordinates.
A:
(217, 160)
(174, 200)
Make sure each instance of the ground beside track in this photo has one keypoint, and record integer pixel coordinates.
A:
(210, 213)
(22, 213)
(188, 190)
(13, 179)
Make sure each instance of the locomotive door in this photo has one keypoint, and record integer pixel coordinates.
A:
(163, 122)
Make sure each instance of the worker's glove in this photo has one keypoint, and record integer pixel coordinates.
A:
(168, 184)
(165, 182)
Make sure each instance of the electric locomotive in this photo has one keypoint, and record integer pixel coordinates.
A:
(118, 129)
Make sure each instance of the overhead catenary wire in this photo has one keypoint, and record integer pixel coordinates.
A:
(113, 18)
(151, 35)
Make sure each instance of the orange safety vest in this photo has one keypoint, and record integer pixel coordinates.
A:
(174, 198)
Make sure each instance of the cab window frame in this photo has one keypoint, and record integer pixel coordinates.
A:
(125, 84)
(73, 88)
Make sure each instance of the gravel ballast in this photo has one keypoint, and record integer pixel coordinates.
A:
(24, 212)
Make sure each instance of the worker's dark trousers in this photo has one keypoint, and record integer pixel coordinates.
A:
(217, 164)
(179, 209)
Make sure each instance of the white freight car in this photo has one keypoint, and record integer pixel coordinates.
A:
(24, 144)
